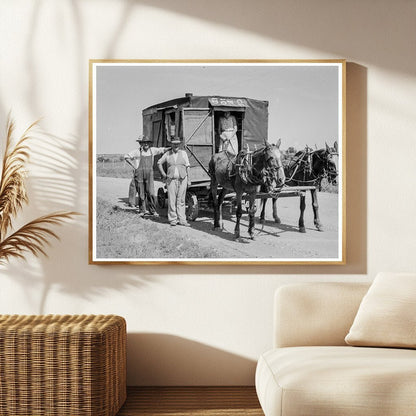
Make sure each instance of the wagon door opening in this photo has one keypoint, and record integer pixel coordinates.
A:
(237, 108)
(239, 118)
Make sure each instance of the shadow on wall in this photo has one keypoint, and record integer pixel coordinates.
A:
(72, 281)
(59, 181)
(168, 360)
(356, 156)
(380, 35)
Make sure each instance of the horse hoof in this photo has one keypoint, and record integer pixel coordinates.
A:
(252, 237)
(217, 228)
(302, 229)
(262, 221)
(277, 221)
(319, 227)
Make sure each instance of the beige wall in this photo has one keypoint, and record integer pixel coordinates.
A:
(204, 325)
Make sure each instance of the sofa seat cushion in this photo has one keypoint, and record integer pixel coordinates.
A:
(335, 381)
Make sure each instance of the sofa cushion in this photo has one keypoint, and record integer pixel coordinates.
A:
(342, 380)
(386, 316)
(315, 313)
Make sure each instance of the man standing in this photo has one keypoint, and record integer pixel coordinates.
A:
(177, 180)
(141, 160)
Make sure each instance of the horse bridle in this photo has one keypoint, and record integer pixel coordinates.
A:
(328, 172)
(270, 173)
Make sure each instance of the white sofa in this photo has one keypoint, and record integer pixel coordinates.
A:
(312, 371)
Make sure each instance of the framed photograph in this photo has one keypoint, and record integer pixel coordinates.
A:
(217, 162)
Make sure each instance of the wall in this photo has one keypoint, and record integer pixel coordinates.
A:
(204, 325)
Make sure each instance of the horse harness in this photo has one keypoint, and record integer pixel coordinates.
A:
(242, 165)
(305, 159)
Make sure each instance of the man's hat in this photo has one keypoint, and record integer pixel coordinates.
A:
(175, 141)
(143, 139)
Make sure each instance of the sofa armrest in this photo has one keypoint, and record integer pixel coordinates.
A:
(315, 313)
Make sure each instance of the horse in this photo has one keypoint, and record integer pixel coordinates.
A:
(244, 173)
(308, 168)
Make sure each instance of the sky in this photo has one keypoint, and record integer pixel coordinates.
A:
(304, 100)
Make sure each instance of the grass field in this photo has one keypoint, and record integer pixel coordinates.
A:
(123, 234)
(114, 169)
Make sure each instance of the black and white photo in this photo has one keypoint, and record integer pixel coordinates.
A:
(207, 162)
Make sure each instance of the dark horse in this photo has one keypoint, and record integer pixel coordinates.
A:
(308, 168)
(244, 174)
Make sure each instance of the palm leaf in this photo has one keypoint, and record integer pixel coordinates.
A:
(33, 237)
(13, 176)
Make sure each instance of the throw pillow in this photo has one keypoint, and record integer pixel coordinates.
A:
(387, 314)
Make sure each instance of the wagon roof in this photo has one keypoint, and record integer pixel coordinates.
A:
(256, 113)
(206, 100)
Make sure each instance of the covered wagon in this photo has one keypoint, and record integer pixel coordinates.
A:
(195, 121)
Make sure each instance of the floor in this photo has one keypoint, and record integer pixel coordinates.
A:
(187, 401)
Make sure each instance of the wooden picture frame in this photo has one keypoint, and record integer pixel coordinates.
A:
(297, 103)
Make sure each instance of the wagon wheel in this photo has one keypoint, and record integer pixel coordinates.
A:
(161, 198)
(191, 202)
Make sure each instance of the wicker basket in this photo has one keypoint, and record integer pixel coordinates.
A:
(70, 365)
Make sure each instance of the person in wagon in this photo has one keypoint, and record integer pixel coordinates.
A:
(177, 181)
(141, 160)
(227, 130)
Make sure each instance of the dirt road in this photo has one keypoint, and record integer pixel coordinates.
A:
(272, 241)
